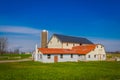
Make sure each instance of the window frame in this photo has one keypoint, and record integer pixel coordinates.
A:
(103, 55)
(48, 56)
(67, 44)
(61, 56)
(88, 56)
(97, 46)
(73, 44)
(71, 56)
(40, 56)
(95, 56)
(80, 44)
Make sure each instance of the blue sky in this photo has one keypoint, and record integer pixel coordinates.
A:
(22, 20)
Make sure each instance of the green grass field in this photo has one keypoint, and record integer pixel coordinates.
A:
(60, 71)
(14, 56)
(113, 55)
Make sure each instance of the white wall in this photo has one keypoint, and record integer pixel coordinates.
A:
(66, 58)
(69, 45)
(46, 60)
(54, 43)
(81, 57)
(37, 56)
(99, 51)
(92, 56)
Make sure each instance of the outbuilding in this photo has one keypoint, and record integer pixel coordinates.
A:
(91, 52)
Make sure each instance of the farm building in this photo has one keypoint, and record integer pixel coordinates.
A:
(61, 48)
(66, 42)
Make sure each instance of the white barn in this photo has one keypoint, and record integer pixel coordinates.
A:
(62, 48)
(66, 42)
(78, 53)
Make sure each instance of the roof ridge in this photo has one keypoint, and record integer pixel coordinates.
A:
(73, 39)
(69, 36)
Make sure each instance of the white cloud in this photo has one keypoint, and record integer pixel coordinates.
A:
(19, 29)
(27, 42)
(23, 45)
(22, 41)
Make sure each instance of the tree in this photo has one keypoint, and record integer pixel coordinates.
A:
(17, 51)
(3, 45)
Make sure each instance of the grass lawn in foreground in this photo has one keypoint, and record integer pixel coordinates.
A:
(14, 56)
(60, 71)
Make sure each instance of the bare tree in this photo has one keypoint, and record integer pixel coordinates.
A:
(3, 45)
(17, 51)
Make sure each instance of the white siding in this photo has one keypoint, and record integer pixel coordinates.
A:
(54, 43)
(81, 58)
(46, 60)
(95, 55)
(37, 56)
(69, 45)
(66, 58)
(91, 56)
(99, 51)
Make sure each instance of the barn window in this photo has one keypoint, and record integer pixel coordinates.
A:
(48, 56)
(40, 56)
(88, 56)
(103, 55)
(71, 55)
(67, 44)
(97, 46)
(80, 44)
(73, 44)
(94, 56)
(61, 56)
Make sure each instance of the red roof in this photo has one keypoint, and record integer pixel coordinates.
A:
(84, 49)
(56, 51)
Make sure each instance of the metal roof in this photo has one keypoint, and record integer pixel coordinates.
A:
(71, 39)
(75, 50)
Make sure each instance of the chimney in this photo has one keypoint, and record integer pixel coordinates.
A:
(44, 38)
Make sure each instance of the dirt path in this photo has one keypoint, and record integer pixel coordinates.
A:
(21, 60)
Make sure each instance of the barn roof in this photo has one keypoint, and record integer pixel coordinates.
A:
(71, 39)
(55, 51)
(84, 49)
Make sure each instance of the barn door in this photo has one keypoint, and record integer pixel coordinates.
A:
(55, 58)
(99, 57)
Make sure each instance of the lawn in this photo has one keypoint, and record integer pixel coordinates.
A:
(60, 71)
(14, 56)
(113, 55)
